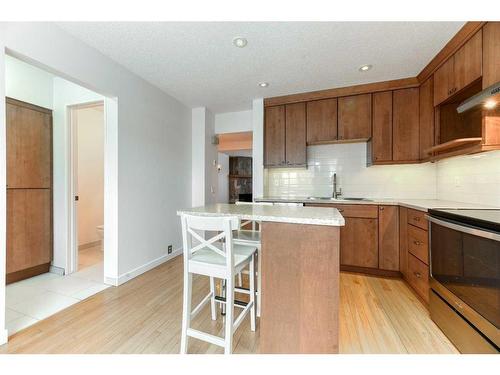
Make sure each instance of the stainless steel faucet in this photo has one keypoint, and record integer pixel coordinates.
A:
(336, 193)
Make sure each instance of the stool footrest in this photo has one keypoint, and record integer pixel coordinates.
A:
(207, 337)
(236, 302)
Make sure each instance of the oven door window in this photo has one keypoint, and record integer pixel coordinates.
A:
(469, 266)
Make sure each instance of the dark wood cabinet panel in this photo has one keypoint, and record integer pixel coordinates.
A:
(355, 117)
(426, 117)
(388, 238)
(405, 125)
(443, 81)
(274, 136)
(468, 62)
(382, 127)
(29, 233)
(322, 121)
(29, 151)
(295, 134)
(359, 242)
(403, 241)
(491, 53)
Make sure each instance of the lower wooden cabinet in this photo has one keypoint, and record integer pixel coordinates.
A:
(418, 276)
(359, 242)
(388, 239)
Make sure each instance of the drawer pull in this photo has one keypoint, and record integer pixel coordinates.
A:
(418, 243)
(381, 208)
(340, 210)
(418, 275)
(416, 218)
(459, 305)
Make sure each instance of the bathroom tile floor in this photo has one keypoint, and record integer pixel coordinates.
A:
(36, 298)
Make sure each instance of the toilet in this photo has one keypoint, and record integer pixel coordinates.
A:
(100, 234)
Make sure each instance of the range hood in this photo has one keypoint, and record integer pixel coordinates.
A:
(489, 98)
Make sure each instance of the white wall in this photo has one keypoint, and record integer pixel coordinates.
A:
(354, 177)
(153, 144)
(28, 83)
(233, 122)
(90, 138)
(471, 179)
(258, 147)
(3, 194)
(211, 175)
(223, 179)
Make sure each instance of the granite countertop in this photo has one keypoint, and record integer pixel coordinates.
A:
(279, 214)
(417, 204)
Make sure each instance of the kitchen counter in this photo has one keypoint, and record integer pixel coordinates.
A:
(417, 204)
(277, 214)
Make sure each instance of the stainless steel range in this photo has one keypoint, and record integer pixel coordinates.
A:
(465, 277)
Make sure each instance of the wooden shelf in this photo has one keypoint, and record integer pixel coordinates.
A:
(454, 144)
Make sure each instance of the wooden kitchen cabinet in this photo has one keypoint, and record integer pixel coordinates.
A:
(426, 117)
(274, 136)
(388, 238)
(405, 125)
(355, 117)
(359, 242)
(418, 277)
(381, 142)
(460, 70)
(491, 54)
(295, 134)
(321, 121)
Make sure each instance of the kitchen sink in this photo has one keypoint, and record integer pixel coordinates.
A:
(337, 199)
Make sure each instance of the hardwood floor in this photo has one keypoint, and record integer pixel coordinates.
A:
(144, 316)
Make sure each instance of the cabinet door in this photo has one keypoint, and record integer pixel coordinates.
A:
(468, 62)
(321, 121)
(382, 127)
(403, 241)
(274, 136)
(405, 125)
(29, 152)
(29, 234)
(491, 54)
(355, 117)
(426, 117)
(388, 238)
(359, 242)
(295, 149)
(443, 81)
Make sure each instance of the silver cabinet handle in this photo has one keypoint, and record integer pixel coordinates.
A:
(418, 275)
(418, 243)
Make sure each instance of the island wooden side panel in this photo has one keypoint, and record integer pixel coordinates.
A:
(300, 288)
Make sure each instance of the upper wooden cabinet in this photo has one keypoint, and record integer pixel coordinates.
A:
(355, 117)
(295, 145)
(322, 121)
(382, 127)
(274, 136)
(405, 124)
(285, 135)
(426, 117)
(491, 54)
(460, 70)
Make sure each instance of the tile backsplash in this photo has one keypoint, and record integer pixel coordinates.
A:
(472, 179)
(353, 176)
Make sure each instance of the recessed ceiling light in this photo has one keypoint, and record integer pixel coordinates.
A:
(490, 104)
(263, 84)
(240, 42)
(365, 68)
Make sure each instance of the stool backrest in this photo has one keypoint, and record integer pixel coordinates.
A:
(222, 225)
(242, 203)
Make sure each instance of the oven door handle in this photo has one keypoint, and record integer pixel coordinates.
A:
(465, 229)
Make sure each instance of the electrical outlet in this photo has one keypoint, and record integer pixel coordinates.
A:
(170, 249)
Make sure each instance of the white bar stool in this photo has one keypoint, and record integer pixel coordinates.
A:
(248, 237)
(225, 263)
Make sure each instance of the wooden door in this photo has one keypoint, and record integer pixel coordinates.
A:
(405, 125)
(426, 117)
(295, 124)
(29, 228)
(382, 127)
(388, 238)
(29, 150)
(355, 117)
(443, 81)
(359, 242)
(491, 54)
(468, 62)
(403, 241)
(321, 121)
(274, 136)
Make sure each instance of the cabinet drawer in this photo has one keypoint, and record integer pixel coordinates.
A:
(357, 210)
(417, 218)
(418, 277)
(418, 243)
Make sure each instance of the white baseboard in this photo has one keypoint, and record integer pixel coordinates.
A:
(141, 269)
(4, 336)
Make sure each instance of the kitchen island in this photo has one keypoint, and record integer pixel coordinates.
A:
(300, 274)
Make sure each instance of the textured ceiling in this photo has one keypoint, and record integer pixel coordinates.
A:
(197, 63)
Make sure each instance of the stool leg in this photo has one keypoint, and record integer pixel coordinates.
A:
(240, 280)
(186, 311)
(252, 293)
(229, 315)
(212, 299)
(223, 293)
